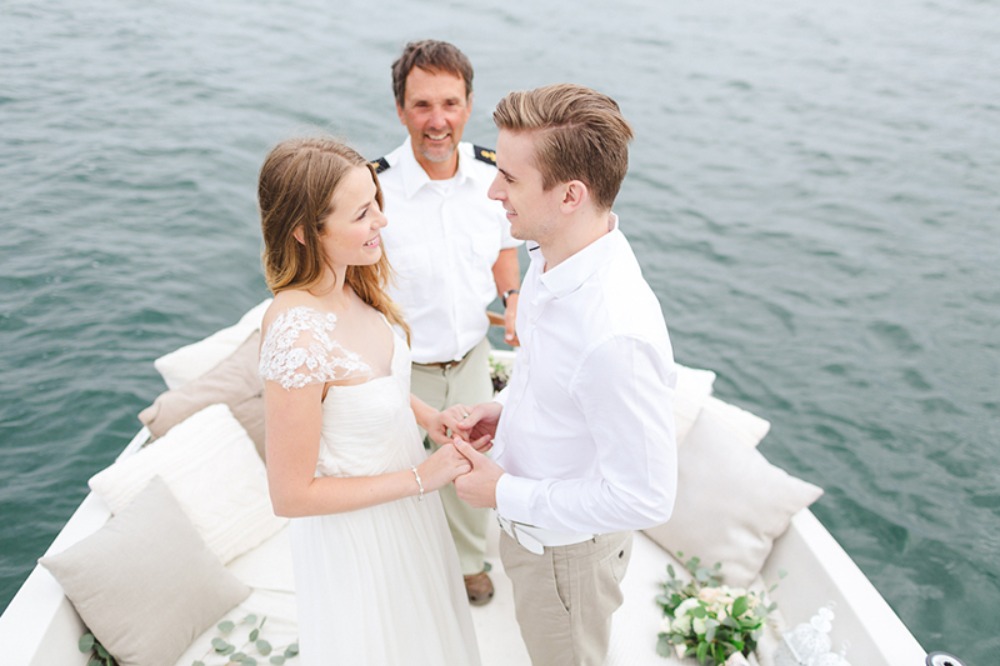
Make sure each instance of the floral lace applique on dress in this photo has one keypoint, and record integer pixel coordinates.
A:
(299, 349)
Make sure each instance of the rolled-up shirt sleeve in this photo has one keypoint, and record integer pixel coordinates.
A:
(624, 390)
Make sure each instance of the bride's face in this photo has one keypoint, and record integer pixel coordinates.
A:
(350, 235)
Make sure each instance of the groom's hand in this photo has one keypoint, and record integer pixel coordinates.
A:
(477, 488)
(479, 425)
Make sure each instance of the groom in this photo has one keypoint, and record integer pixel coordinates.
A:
(583, 448)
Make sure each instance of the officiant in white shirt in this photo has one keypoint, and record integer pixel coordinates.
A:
(451, 254)
(584, 448)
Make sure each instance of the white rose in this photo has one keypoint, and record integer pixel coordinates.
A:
(698, 624)
(682, 624)
(685, 606)
(710, 595)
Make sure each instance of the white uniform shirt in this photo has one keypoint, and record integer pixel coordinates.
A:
(586, 434)
(442, 242)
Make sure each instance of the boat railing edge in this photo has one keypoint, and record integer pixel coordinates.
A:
(859, 608)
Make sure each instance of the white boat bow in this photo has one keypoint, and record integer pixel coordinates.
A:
(40, 627)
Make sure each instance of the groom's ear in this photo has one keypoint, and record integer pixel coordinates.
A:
(575, 193)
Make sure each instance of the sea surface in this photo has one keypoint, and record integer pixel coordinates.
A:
(813, 195)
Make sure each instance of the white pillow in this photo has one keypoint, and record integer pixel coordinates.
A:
(694, 386)
(191, 361)
(210, 464)
(731, 502)
(746, 428)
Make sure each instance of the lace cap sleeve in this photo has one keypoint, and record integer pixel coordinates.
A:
(299, 349)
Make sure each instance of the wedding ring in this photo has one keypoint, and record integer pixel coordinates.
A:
(465, 415)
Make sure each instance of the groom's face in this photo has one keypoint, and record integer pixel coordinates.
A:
(531, 209)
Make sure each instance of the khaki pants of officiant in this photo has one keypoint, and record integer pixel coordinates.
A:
(469, 383)
(565, 597)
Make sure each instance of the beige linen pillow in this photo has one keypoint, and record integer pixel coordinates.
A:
(145, 584)
(191, 361)
(211, 466)
(731, 502)
(235, 381)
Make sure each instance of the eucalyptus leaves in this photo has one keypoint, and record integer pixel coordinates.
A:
(255, 650)
(254, 643)
(99, 655)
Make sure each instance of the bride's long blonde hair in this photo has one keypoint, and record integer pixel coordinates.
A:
(297, 181)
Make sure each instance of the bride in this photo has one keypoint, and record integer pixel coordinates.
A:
(376, 572)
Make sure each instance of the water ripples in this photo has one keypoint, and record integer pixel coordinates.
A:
(811, 196)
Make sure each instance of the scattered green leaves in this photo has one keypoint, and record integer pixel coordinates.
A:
(99, 656)
(242, 656)
(255, 643)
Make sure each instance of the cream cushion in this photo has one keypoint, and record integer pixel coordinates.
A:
(745, 428)
(731, 502)
(145, 584)
(694, 386)
(213, 469)
(235, 381)
(191, 361)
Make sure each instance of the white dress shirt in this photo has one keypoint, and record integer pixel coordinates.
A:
(586, 435)
(442, 240)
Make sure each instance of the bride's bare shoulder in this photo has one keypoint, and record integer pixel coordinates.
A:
(287, 300)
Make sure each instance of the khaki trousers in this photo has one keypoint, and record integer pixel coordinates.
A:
(565, 597)
(469, 383)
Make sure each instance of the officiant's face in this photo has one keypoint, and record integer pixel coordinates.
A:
(351, 229)
(435, 111)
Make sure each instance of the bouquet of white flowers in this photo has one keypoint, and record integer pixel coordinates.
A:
(706, 619)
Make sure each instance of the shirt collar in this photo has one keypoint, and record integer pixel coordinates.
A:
(572, 272)
(414, 176)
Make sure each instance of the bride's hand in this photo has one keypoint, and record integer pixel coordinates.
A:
(442, 467)
(441, 426)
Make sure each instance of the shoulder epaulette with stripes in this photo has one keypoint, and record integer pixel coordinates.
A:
(380, 165)
(487, 155)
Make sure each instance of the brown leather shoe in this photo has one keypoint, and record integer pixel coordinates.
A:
(479, 587)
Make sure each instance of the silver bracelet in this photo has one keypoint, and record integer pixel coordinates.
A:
(420, 484)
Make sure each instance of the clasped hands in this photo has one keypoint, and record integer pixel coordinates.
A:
(464, 435)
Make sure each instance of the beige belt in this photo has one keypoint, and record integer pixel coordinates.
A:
(535, 539)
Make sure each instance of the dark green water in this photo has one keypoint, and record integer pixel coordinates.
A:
(813, 196)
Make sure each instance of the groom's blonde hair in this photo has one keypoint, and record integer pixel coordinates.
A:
(582, 135)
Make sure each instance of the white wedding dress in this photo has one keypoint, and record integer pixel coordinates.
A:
(379, 585)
